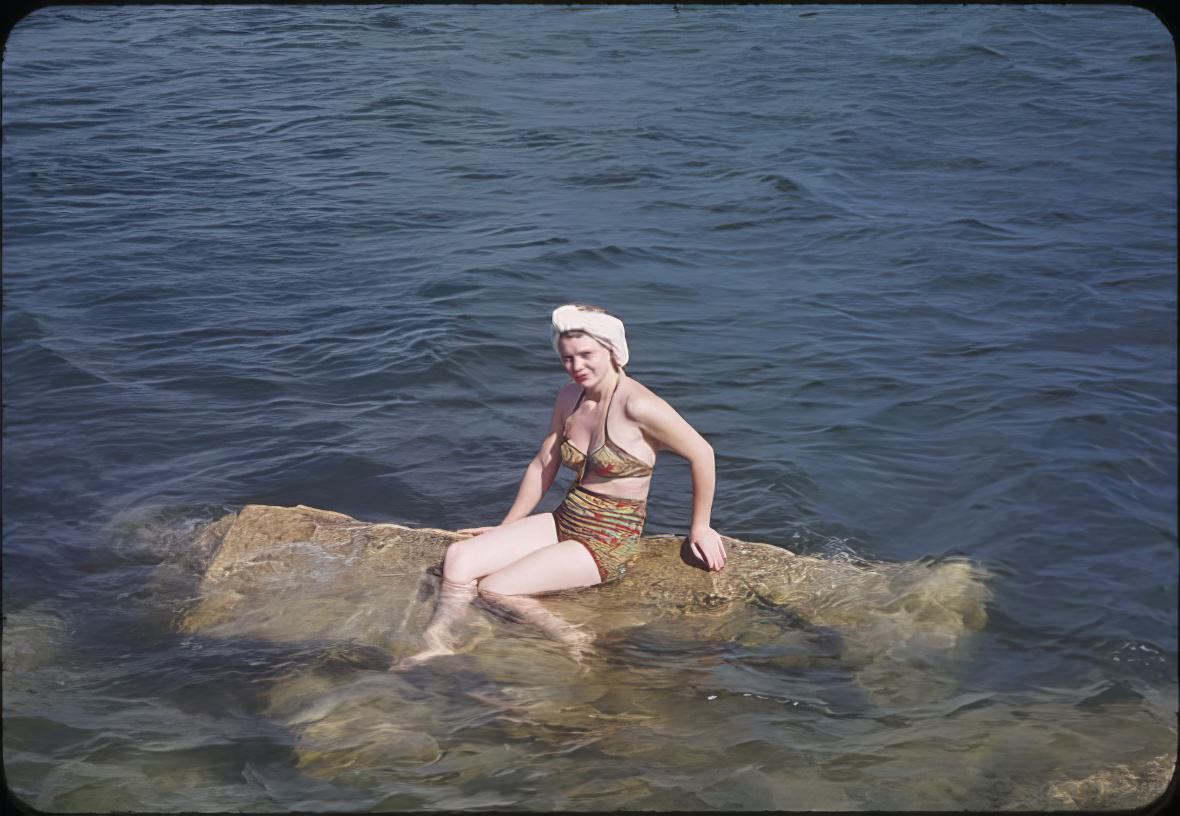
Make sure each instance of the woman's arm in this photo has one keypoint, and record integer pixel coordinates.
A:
(541, 471)
(660, 421)
(538, 476)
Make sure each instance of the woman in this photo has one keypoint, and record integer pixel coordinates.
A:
(608, 428)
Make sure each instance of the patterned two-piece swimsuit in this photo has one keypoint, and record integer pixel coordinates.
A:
(608, 526)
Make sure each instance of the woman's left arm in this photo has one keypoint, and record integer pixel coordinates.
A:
(661, 422)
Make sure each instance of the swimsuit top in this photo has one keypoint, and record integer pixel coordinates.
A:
(609, 461)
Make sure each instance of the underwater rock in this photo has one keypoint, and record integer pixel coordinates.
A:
(33, 637)
(363, 590)
(1120, 787)
(350, 731)
(360, 594)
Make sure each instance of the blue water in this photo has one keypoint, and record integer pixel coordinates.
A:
(911, 270)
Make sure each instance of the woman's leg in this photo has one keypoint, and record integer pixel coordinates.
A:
(533, 612)
(473, 558)
(566, 565)
(470, 559)
(452, 603)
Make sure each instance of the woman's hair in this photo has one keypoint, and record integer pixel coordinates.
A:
(587, 307)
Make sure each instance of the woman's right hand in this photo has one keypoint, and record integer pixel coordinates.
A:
(474, 531)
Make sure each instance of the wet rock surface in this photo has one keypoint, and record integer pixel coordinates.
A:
(395, 569)
(356, 596)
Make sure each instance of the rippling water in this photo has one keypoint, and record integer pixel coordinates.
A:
(910, 270)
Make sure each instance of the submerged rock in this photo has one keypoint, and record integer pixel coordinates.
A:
(1119, 787)
(670, 636)
(365, 592)
(33, 638)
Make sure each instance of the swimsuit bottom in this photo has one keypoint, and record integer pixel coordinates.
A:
(608, 526)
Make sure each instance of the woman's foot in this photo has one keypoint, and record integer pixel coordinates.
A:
(421, 657)
(578, 642)
(438, 639)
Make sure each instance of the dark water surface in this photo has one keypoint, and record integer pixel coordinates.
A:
(911, 270)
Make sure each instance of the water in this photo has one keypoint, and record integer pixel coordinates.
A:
(910, 270)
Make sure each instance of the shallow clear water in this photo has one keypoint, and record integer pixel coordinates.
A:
(910, 270)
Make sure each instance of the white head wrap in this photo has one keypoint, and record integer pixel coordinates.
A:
(602, 327)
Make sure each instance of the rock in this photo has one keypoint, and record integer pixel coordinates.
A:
(1119, 787)
(33, 638)
(360, 594)
(250, 587)
(348, 731)
(364, 593)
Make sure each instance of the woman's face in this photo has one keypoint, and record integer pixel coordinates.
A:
(585, 359)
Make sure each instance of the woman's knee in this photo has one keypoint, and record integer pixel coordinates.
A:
(472, 558)
(459, 563)
(493, 587)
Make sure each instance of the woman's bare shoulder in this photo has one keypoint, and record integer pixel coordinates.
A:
(641, 402)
